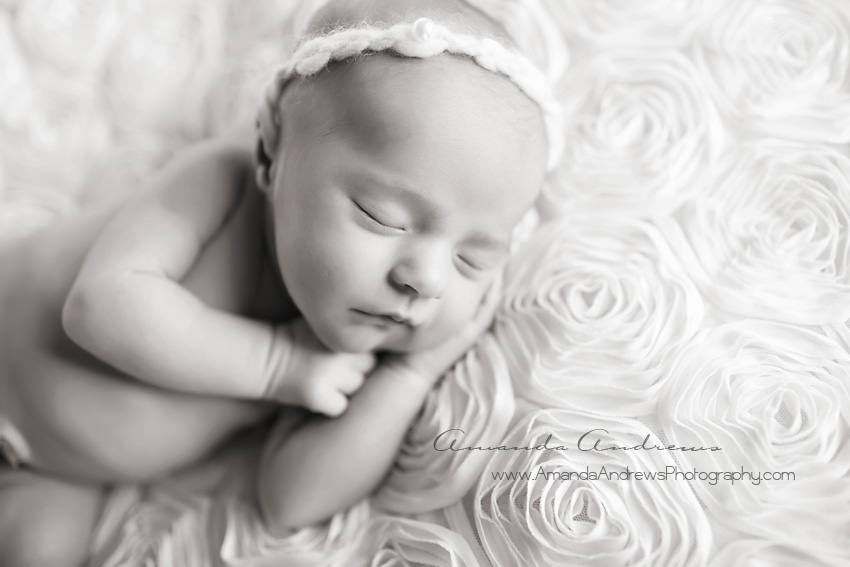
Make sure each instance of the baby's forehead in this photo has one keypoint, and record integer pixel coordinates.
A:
(375, 95)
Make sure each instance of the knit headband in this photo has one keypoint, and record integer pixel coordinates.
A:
(421, 39)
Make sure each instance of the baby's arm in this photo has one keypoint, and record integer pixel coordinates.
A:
(128, 307)
(314, 469)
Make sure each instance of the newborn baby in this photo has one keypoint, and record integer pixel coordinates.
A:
(362, 236)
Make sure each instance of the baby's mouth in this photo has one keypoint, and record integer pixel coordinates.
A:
(391, 318)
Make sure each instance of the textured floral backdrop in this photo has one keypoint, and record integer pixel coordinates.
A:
(692, 283)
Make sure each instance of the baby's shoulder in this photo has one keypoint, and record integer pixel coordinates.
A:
(230, 268)
(199, 190)
(224, 164)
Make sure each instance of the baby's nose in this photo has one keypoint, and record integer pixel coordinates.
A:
(424, 275)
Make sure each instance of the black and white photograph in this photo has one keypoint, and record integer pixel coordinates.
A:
(424, 283)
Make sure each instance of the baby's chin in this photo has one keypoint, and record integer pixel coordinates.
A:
(361, 340)
(352, 340)
(418, 341)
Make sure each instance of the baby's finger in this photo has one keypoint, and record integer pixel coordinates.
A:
(332, 404)
(349, 382)
(363, 362)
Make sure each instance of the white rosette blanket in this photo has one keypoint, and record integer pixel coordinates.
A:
(593, 309)
(553, 517)
(248, 543)
(779, 68)
(396, 542)
(764, 553)
(474, 402)
(615, 23)
(774, 398)
(640, 132)
(771, 237)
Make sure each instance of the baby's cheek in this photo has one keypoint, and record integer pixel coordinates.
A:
(342, 258)
(460, 311)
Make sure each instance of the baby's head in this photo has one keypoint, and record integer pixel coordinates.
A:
(396, 182)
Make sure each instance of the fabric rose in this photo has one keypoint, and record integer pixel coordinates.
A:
(529, 23)
(594, 308)
(560, 514)
(473, 405)
(69, 137)
(20, 218)
(238, 85)
(68, 36)
(247, 542)
(261, 35)
(765, 553)
(398, 542)
(45, 118)
(157, 77)
(840, 333)
(640, 132)
(166, 528)
(16, 92)
(616, 22)
(776, 399)
(780, 68)
(769, 237)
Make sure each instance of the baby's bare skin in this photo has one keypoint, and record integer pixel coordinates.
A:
(86, 420)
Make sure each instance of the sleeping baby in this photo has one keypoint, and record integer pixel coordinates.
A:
(324, 274)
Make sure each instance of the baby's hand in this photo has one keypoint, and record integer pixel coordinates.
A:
(430, 364)
(314, 377)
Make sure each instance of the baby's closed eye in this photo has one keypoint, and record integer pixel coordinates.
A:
(383, 218)
(479, 261)
(475, 256)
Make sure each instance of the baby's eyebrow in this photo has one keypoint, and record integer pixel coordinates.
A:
(486, 240)
(391, 186)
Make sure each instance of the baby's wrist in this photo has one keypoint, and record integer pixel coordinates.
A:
(279, 370)
(412, 368)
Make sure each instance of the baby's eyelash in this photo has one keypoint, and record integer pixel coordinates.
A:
(472, 265)
(368, 214)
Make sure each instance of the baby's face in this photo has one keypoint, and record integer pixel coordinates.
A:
(395, 196)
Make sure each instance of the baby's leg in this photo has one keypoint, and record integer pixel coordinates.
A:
(44, 521)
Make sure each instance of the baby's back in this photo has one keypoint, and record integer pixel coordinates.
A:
(77, 415)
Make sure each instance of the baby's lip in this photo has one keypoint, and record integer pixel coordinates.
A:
(395, 317)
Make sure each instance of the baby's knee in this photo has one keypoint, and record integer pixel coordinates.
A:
(44, 522)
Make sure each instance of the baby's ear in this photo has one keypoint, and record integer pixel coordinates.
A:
(264, 166)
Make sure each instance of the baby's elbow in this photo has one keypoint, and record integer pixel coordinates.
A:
(283, 522)
(282, 513)
(83, 313)
(76, 313)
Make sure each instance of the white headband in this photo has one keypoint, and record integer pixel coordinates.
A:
(421, 39)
